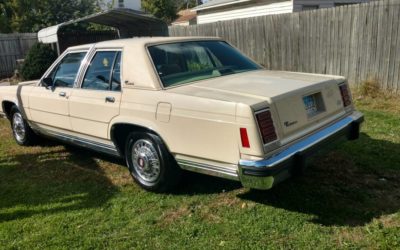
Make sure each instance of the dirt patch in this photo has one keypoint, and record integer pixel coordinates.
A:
(354, 236)
(390, 221)
(382, 101)
(173, 215)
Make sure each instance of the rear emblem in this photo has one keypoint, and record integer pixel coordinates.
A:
(288, 124)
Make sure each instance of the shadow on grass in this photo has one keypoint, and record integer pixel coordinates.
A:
(349, 186)
(48, 180)
(199, 184)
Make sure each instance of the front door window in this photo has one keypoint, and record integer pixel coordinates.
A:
(65, 73)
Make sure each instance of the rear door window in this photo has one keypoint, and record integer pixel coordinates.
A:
(103, 72)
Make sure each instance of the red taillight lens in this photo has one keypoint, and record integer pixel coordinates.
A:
(244, 137)
(344, 91)
(266, 125)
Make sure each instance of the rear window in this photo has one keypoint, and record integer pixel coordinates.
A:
(185, 62)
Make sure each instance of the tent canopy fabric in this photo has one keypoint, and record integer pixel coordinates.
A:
(128, 22)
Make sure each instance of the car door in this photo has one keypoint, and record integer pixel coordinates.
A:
(97, 101)
(49, 104)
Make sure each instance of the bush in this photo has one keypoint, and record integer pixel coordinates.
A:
(38, 60)
(370, 87)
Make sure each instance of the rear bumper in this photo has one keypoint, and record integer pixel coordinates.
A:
(264, 174)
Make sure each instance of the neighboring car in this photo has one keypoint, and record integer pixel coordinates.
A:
(198, 104)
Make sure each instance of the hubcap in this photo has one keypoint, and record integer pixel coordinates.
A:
(18, 127)
(146, 162)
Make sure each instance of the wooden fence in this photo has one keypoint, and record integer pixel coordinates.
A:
(357, 41)
(13, 47)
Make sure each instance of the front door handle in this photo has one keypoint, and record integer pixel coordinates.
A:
(110, 99)
(62, 94)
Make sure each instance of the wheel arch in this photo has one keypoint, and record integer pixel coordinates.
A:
(120, 130)
(7, 106)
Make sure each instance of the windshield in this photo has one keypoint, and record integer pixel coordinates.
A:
(184, 62)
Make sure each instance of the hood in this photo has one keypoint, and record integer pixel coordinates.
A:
(255, 86)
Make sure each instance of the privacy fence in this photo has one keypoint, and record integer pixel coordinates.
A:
(357, 41)
(13, 47)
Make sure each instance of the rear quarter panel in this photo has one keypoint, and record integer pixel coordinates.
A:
(197, 127)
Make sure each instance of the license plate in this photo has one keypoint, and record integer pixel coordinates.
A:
(313, 104)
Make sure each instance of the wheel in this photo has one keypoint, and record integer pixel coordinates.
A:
(22, 133)
(150, 163)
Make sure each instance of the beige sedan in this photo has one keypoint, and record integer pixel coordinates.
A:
(198, 104)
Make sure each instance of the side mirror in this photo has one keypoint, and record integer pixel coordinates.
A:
(47, 82)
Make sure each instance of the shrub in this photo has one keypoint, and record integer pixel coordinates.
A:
(370, 87)
(37, 61)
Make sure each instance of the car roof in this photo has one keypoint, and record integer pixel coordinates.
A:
(140, 41)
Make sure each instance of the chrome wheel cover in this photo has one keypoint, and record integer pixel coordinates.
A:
(19, 127)
(145, 160)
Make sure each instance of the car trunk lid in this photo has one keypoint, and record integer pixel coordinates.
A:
(298, 101)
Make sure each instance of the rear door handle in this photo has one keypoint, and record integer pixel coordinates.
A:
(62, 94)
(110, 99)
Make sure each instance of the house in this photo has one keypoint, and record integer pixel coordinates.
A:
(219, 10)
(130, 4)
(185, 18)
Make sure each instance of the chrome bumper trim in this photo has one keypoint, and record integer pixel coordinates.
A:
(304, 144)
(263, 174)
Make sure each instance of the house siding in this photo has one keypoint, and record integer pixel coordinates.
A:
(262, 8)
(298, 4)
(244, 12)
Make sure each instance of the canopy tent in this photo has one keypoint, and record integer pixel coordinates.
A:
(127, 22)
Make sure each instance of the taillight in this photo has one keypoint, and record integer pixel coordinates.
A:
(266, 126)
(244, 137)
(344, 91)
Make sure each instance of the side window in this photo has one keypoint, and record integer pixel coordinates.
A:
(103, 72)
(66, 71)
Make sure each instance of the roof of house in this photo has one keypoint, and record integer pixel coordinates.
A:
(217, 3)
(185, 16)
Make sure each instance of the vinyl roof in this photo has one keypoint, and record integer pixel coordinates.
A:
(141, 42)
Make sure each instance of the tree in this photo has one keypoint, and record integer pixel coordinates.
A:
(167, 9)
(33, 15)
(163, 9)
(5, 14)
(188, 4)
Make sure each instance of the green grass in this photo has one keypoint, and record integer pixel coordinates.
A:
(61, 198)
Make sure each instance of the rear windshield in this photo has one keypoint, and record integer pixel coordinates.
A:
(184, 62)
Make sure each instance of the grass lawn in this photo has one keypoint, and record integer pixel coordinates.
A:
(62, 197)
